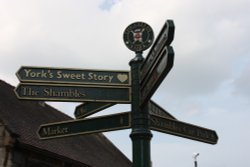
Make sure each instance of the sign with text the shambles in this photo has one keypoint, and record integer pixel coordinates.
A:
(73, 93)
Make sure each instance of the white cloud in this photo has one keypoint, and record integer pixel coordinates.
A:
(242, 83)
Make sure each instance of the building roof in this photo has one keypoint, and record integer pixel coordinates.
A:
(22, 119)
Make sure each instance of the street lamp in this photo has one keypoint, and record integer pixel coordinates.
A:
(195, 159)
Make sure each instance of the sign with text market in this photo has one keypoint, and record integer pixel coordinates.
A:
(85, 126)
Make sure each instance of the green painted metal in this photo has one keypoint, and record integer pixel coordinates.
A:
(159, 71)
(164, 38)
(182, 129)
(155, 109)
(141, 134)
(74, 93)
(89, 108)
(85, 126)
(73, 76)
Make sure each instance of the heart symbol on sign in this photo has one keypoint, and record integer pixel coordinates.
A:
(122, 77)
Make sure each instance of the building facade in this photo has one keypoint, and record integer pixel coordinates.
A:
(21, 147)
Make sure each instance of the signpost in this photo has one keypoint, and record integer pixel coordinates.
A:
(73, 93)
(85, 126)
(155, 109)
(73, 76)
(182, 129)
(89, 108)
(159, 72)
(164, 38)
(100, 89)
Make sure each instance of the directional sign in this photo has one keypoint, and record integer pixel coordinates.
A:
(159, 72)
(155, 109)
(164, 38)
(89, 108)
(73, 76)
(85, 126)
(74, 93)
(182, 129)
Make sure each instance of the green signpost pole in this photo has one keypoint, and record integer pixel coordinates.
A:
(138, 37)
(140, 134)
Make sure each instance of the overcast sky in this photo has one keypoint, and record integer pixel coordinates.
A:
(208, 86)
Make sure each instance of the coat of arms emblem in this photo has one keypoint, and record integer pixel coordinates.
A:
(138, 36)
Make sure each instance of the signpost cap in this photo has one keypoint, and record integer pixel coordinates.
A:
(138, 36)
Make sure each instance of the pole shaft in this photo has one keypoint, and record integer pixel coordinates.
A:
(195, 164)
(140, 134)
